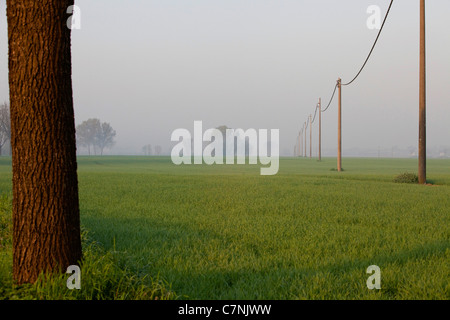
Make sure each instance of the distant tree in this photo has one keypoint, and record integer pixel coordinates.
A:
(5, 125)
(93, 133)
(158, 150)
(105, 137)
(223, 130)
(87, 132)
(147, 150)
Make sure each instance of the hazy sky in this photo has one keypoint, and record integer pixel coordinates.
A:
(150, 67)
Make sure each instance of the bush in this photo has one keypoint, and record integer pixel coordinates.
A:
(406, 178)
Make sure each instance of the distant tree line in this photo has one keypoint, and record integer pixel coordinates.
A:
(147, 150)
(95, 136)
(5, 126)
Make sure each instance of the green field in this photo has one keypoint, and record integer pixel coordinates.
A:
(226, 232)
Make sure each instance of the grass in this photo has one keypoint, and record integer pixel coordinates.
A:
(225, 232)
(104, 274)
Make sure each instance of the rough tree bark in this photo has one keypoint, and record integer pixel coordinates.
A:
(46, 222)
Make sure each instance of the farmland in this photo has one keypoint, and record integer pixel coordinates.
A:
(309, 232)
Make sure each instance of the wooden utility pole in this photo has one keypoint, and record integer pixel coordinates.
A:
(422, 100)
(320, 130)
(339, 151)
(301, 143)
(310, 136)
(305, 138)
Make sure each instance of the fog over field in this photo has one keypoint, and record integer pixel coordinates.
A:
(183, 177)
(150, 67)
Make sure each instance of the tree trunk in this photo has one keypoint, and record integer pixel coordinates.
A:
(46, 220)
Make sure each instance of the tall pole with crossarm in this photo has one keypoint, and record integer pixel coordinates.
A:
(422, 100)
(305, 126)
(320, 129)
(310, 136)
(301, 142)
(339, 151)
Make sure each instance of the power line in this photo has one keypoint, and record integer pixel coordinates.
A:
(332, 96)
(359, 72)
(373, 47)
(315, 112)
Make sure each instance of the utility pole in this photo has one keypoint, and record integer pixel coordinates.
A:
(422, 100)
(339, 151)
(301, 143)
(305, 138)
(310, 136)
(320, 130)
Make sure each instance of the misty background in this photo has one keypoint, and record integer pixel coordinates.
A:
(150, 67)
